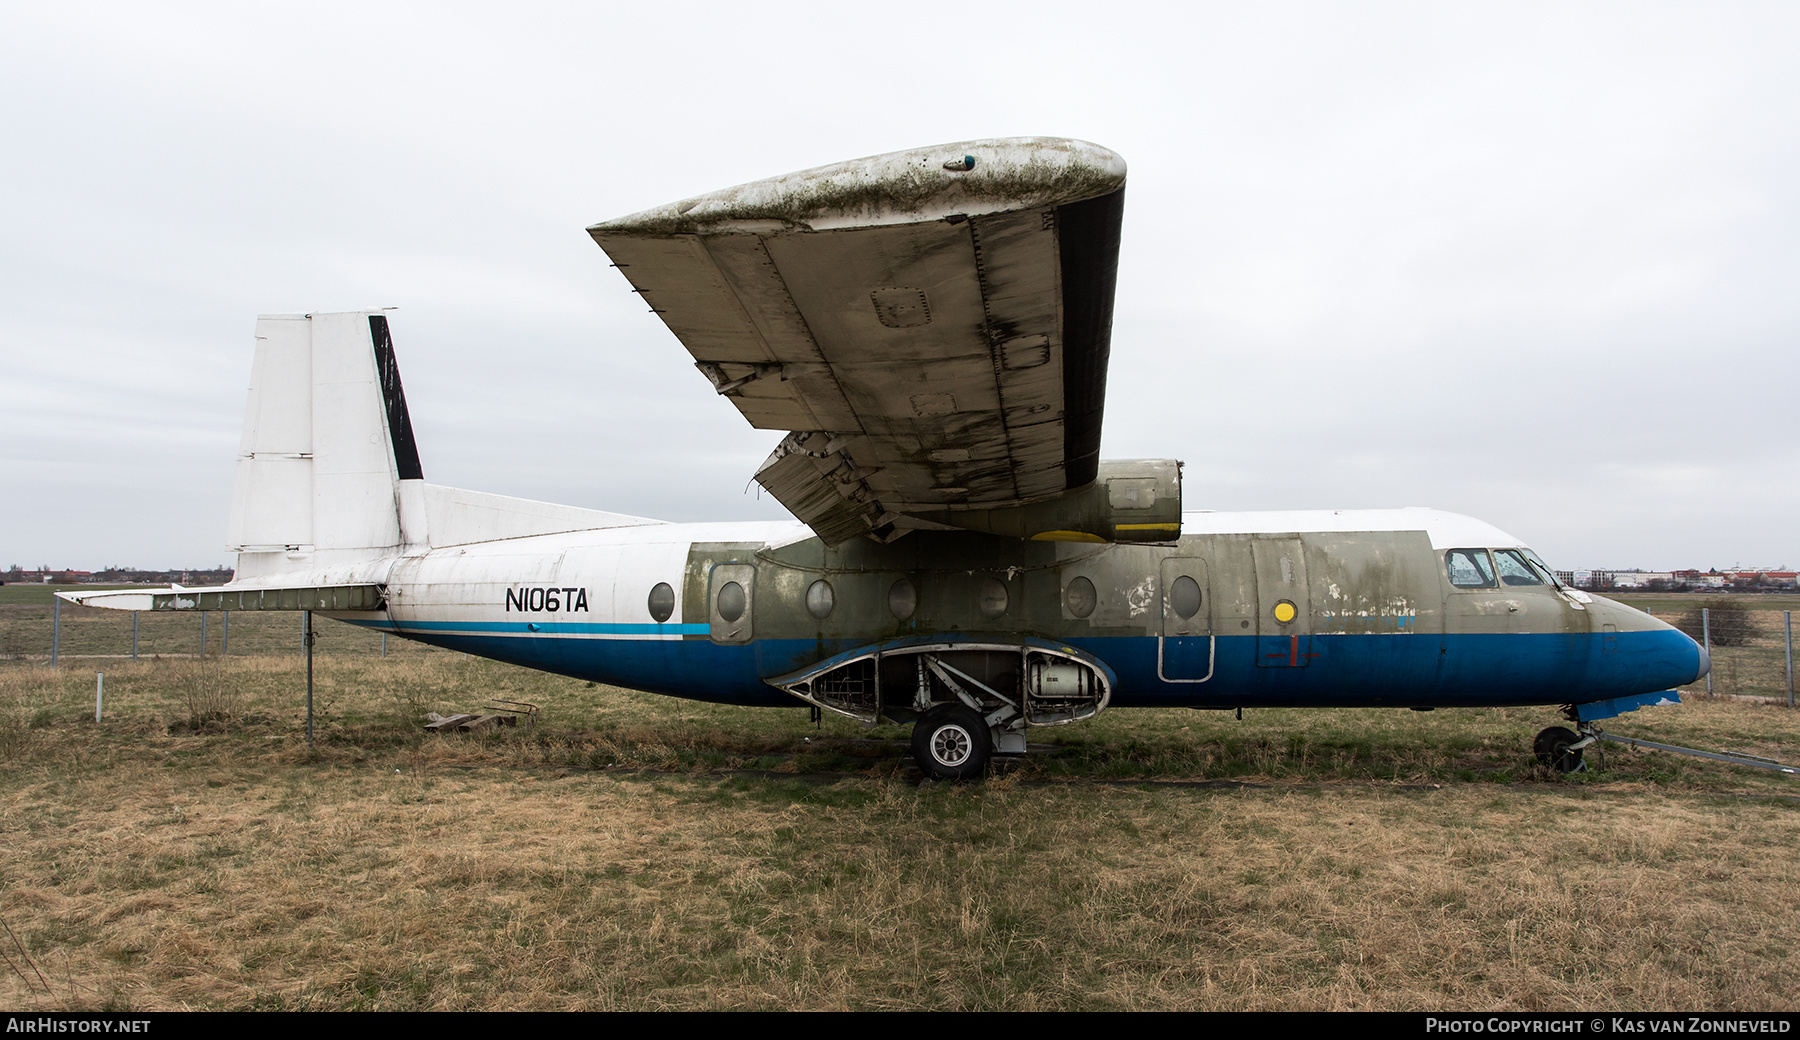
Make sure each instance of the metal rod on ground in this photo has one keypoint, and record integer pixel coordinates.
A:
(1734, 757)
(55, 629)
(1787, 624)
(99, 692)
(306, 638)
(1706, 634)
(134, 630)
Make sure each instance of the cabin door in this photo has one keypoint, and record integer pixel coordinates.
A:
(1283, 613)
(1184, 647)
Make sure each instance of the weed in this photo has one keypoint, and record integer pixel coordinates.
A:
(212, 696)
(15, 735)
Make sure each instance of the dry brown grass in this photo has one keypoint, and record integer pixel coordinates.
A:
(147, 865)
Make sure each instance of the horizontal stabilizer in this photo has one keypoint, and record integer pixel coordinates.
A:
(236, 597)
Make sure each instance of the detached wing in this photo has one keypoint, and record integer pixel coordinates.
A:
(932, 326)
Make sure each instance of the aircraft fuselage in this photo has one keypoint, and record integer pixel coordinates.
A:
(1245, 610)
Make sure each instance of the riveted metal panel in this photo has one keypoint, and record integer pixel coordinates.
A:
(1281, 587)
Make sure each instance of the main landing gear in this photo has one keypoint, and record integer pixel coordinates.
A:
(951, 742)
(972, 700)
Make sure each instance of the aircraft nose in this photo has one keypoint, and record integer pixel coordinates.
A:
(1705, 662)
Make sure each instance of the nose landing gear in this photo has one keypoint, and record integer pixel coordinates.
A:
(1560, 749)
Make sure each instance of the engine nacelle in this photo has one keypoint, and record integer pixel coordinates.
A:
(1132, 500)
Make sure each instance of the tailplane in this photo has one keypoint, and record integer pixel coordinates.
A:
(330, 491)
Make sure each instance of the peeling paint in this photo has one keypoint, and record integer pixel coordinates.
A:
(1141, 596)
(899, 187)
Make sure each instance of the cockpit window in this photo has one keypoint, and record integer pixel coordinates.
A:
(1470, 569)
(1542, 568)
(1513, 568)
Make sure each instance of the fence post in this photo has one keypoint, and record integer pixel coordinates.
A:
(1706, 634)
(134, 634)
(55, 628)
(203, 633)
(306, 637)
(384, 654)
(1787, 624)
(225, 634)
(99, 691)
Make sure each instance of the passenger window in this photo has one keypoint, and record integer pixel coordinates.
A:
(1184, 596)
(1082, 597)
(1513, 568)
(819, 599)
(662, 602)
(1470, 569)
(732, 601)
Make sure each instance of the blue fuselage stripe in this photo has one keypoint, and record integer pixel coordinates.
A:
(533, 628)
(1331, 670)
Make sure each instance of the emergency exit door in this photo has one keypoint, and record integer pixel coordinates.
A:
(1184, 647)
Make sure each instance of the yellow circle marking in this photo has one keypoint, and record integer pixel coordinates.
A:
(1285, 612)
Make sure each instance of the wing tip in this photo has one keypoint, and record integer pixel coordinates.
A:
(967, 177)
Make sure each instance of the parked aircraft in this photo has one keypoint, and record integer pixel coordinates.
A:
(932, 329)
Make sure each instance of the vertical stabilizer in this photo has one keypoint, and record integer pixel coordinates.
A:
(328, 470)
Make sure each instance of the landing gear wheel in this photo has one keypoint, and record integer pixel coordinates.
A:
(951, 742)
(1552, 747)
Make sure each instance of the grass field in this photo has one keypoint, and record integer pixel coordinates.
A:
(189, 851)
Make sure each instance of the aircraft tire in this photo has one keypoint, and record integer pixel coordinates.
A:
(951, 742)
(1552, 748)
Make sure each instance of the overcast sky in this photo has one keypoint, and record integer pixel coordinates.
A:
(1535, 263)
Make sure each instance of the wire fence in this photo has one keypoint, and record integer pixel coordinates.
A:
(1752, 650)
(47, 633)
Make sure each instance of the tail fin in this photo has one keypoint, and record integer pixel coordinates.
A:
(328, 470)
(329, 488)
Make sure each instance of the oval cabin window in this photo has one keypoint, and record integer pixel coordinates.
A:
(903, 599)
(731, 601)
(820, 599)
(1081, 597)
(1184, 596)
(662, 602)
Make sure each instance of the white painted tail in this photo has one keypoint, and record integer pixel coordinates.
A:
(328, 474)
(329, 489)
(327, 468)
